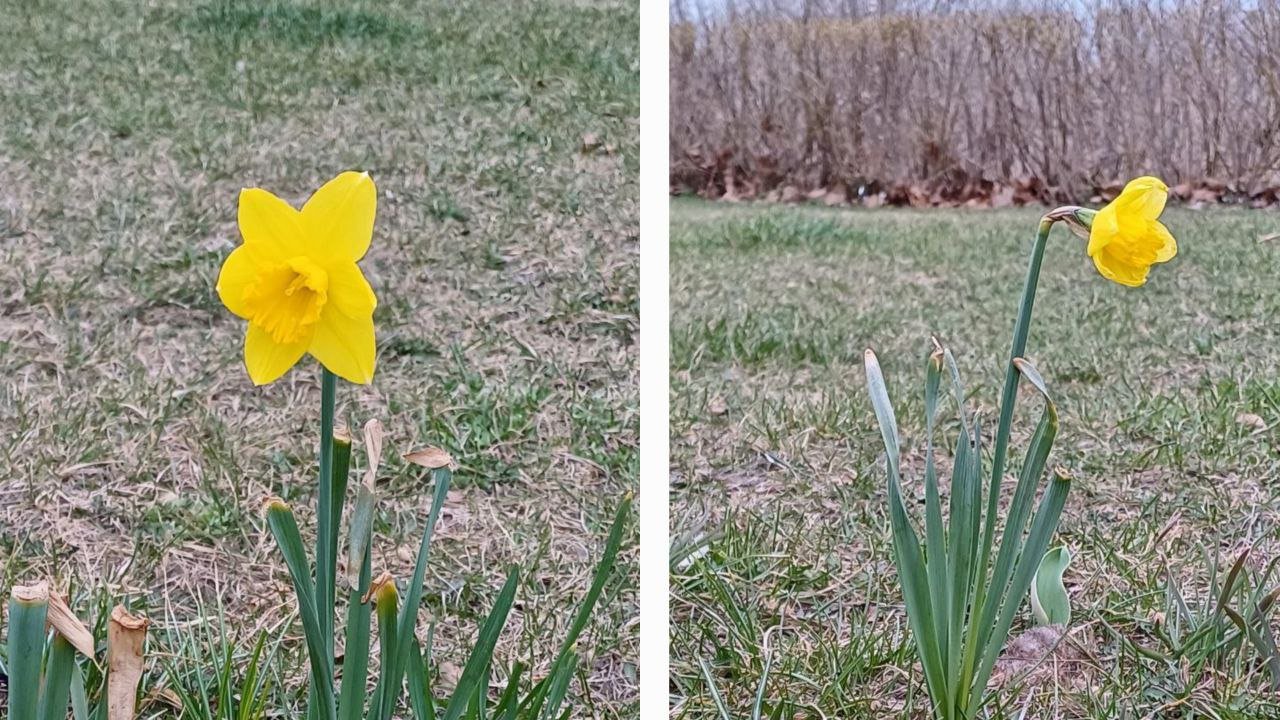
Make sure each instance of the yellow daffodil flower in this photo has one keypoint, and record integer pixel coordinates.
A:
(296, 281)
(1126, 237)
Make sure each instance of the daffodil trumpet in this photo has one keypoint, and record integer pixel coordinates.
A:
(961, 602)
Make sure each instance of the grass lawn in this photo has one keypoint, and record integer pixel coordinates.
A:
(1169, 397)
(135, 451)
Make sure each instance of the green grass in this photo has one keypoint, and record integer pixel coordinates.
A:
(135, 451)
(1169, 407)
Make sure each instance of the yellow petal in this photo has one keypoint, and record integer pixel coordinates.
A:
(349, 292)
(1116, 270)
(345, 346)
(270, 225)
(1144, 197)
(1168, 246)
(1104, 229)
(238, 272)
(340, 215)
(265, 359)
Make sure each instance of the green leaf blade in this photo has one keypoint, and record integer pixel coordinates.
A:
(28, 610)
(482, 654)
(1049, 600)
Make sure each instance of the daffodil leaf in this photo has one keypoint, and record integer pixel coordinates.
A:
(482, 653)
(28, 610)
(1043, 525)
(908, 557)
(935, 534)
(1049, 601)
(57, 679)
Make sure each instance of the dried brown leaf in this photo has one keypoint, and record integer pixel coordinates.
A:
(1251, 420)
(166, 696)
(373, 447)
(383, 579)
(69, 626)
(430, 458)
(31, 593)
(449, 675)
(125, 637)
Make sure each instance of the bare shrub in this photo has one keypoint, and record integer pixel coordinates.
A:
(992, 103)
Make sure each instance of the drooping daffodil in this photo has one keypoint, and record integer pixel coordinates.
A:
(1126, 236)
(296, 281)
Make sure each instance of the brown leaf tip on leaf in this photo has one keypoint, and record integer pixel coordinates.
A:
(382, 589)
(31, 594)
(125, 636)
(373, 432)
(342, 435)
(430, 458)
(373, 447)
(69, 626)
(272, 502)
(131, 623)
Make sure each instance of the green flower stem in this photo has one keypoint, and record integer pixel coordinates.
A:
(327, 553)
(326, 536)
(998, 589)
(1021, 329)
(959, 615)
